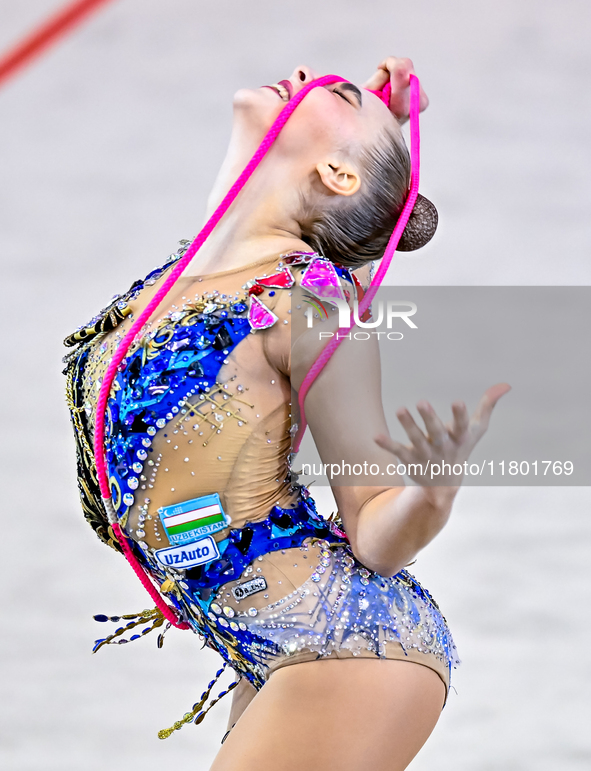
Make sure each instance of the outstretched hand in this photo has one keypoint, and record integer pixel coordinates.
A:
(450, 444)
(398, 72)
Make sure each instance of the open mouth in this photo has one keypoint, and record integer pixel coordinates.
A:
(283, 88)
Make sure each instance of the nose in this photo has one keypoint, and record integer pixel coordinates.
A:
(304, 75)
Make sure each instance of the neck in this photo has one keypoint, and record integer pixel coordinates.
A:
(262, 221)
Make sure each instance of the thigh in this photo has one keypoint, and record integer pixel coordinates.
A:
(350, 714)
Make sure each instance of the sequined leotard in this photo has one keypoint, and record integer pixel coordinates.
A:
(198, 447)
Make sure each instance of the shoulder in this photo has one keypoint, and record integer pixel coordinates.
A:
(305, 291)
(306, 276)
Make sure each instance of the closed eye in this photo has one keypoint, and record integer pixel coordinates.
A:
(349, 88)
(338, 93)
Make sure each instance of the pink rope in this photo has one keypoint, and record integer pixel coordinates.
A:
(125, 344)
(165, 609)
(415, 142)
(384, 94)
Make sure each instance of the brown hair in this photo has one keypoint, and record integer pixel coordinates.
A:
(352, 231)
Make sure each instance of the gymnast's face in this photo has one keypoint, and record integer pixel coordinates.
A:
(325, 131)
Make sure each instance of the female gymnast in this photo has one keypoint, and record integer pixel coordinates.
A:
(342, 659)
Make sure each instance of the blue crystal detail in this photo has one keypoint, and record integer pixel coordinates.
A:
(149, 390)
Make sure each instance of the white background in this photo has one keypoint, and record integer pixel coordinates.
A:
(108, 146)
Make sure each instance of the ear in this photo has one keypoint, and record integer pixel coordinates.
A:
(339, 177)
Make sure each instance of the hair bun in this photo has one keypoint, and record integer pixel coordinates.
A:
(421, 226)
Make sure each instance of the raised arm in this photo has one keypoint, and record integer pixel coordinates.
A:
(387, 523)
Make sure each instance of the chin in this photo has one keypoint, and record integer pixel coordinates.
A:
(244, 97)
(256, 109)
(256, 98)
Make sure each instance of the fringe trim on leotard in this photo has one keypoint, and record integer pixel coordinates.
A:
(197, 714)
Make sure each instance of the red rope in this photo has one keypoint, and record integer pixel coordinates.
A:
(46, 34)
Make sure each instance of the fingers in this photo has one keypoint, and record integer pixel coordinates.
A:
(400, 79)
(398, 71)
(396, 448)
(435, 428)
(394, 69)
(437, 433)
(463, 431)
(413, 432)
(378, 80)
(495, 392)
(491, 396)
(461, 420)
(424, 101)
